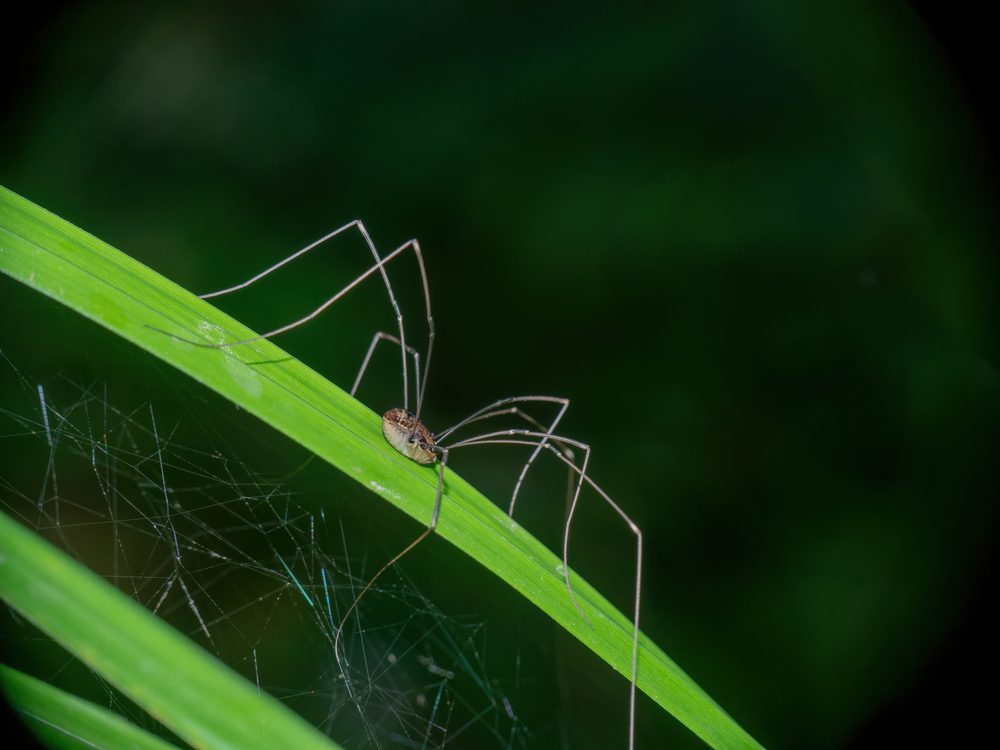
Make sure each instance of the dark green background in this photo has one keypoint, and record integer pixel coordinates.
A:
(751, 242)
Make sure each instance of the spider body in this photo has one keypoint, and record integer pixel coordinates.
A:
(409, 436)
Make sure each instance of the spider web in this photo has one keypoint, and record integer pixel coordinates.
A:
(256, 570)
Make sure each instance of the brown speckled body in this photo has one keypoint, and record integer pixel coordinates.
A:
(409, 436)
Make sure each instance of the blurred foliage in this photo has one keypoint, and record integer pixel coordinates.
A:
(750, 243)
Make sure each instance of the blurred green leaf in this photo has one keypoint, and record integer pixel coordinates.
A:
(193, 694)
(65, 721)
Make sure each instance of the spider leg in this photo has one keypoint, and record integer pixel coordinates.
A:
(496, 409)
(383, 336)
(378, 267)
(285, 261)
(342, 661)
(526, 437)
(541, 440)
(521, 414)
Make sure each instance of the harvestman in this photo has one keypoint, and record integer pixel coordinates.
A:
(406, 433)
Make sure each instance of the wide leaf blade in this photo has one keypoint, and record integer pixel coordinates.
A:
(84, 273)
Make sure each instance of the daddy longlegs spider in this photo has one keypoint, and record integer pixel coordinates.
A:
(405, 431)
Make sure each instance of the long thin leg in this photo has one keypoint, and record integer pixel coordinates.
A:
(521, 414)
(341, 663)
(487, 412)
(430, 327)
(383, 336)
(541, 440)
(564, 449)
(519, 438)
(285, 261)
(380, 267)
(377, 267)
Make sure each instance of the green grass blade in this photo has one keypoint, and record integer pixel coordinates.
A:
(200, 699)
(73, 267)
(64, 721)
